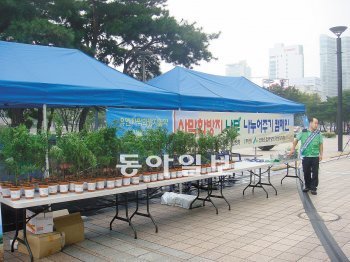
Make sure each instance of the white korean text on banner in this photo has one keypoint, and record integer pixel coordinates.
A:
(254, 129)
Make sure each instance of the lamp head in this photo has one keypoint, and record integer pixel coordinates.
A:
(338, 30)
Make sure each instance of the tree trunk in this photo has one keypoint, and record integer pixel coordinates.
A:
(82, 118)
(16, 116)
(94, 24)
(39, 124)
(50, 119)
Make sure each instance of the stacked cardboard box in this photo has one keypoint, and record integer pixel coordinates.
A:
(43, 241)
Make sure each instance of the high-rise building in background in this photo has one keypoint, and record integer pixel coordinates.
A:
(309, 85)
(328, 64)
(286, 62)
(239, 69)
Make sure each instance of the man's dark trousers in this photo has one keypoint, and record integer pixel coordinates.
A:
(310, 168)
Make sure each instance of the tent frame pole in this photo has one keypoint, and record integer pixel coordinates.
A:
(47, 166)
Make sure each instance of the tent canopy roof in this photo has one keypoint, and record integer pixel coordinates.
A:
(33, 75)
(201, 91)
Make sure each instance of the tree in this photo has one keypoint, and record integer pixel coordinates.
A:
(325, 112)
(346, 110)
(115, 32)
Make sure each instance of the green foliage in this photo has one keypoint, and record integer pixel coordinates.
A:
(346, 105)
(131, 143)
(113, 31)
(229, 136)
(56, 153)
(104, 145)
(181, 143)
(154, 141)
(206, 144)
(329, 134)
(39, 31)
(86, 150)
(324, 111)
(293, 94)
(22, 152)
(71, 148)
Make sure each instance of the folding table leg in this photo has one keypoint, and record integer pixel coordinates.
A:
(268, 178)
(148, 213)
(259, 183)
(116, 211)
(197, 197)
(221, 182)
(250, 181)
(16, 233)
(126, 218)
(209, 194)
(25, 235)
(23, 241)
(296, 172)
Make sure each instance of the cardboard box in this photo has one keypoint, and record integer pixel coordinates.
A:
(40, 224)
(72, 226)
(59, 213)
(42, 245)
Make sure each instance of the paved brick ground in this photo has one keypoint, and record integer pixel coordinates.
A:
(256, 229)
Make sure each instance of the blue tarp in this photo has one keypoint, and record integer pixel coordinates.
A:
(204, 92)
(33, 75)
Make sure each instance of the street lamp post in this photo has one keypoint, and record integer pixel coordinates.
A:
(338, 30)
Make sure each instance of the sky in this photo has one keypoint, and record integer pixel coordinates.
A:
(250, 27)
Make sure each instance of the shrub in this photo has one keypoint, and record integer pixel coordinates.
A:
(329, 134)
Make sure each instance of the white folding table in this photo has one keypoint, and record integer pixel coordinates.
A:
(46, 202)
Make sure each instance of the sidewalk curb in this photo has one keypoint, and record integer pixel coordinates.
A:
(332, 248)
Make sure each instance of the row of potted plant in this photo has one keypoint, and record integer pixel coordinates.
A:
(27, 190)
(76, 153)
(91, 184)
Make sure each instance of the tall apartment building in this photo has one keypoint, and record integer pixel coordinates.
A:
(328, 64)
(239, 69)
(286, 62)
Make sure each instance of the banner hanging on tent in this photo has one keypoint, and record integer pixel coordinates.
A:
(254, 129)
(138, 120)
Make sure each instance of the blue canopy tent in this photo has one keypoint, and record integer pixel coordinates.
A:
(204, 92)
(33, 75)
(41, 76)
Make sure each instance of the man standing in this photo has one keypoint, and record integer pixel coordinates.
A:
(311, 151)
